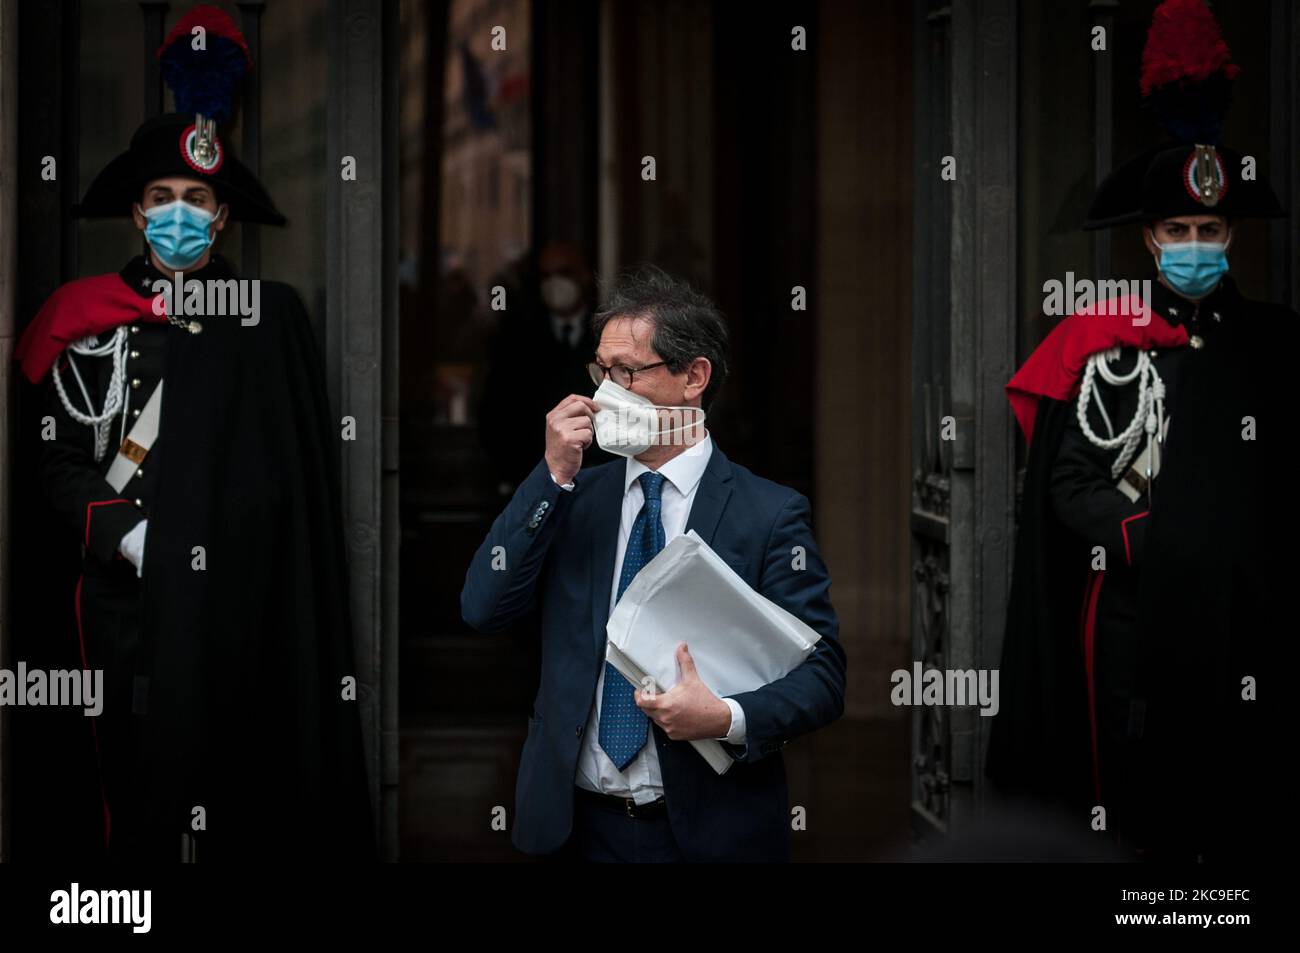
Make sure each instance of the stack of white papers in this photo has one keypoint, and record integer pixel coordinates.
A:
(739, 640)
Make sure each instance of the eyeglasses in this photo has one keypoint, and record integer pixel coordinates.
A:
(620, 374)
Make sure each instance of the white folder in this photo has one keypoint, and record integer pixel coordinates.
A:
(739, 639)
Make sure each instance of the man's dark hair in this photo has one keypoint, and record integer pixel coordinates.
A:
(687, 324)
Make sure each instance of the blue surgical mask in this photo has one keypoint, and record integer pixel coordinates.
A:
(178, 233)
(1193, 268)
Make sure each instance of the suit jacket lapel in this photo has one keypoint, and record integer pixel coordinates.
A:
(606, 512)
(711, 496)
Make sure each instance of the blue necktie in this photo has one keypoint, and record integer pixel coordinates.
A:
(623, 725)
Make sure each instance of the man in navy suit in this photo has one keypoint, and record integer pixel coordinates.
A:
(606, 771)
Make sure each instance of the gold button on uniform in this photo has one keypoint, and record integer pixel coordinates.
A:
(135, 383)
(139, 472)
(135, 355)
(139, 502)
(135, 412)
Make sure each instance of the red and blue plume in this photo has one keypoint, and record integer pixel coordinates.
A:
(205, 80)
(1187, 71)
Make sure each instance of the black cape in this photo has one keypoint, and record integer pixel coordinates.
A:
(1214, 569)
(245, 658)
(1040, 743)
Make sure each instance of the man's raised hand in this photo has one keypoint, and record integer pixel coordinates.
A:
(569, 431)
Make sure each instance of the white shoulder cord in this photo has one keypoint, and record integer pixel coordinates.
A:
(1151, 397)
(113, 400)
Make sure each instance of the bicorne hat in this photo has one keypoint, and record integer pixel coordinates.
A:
(203, 60)
(1187, 75)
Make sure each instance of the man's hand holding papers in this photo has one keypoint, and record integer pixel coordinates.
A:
(689, 710)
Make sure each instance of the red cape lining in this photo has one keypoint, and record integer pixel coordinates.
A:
(1054, 368)
(78, 309)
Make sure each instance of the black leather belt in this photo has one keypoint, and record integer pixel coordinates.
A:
(624, 805)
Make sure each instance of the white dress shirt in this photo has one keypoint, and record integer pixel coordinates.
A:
(641, 780)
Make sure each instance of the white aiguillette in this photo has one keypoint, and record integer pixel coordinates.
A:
(739, 639)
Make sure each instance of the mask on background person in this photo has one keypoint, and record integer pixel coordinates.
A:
(628, 424)
(561, 294)
(178, 232)
(1193, 268)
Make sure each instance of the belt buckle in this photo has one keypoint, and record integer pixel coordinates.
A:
(630, 805)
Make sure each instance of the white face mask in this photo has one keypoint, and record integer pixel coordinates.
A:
(561, 294)
(627, 424)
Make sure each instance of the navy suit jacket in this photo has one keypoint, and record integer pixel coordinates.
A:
(554, 550)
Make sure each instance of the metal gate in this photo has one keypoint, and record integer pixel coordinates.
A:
(962, 350)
